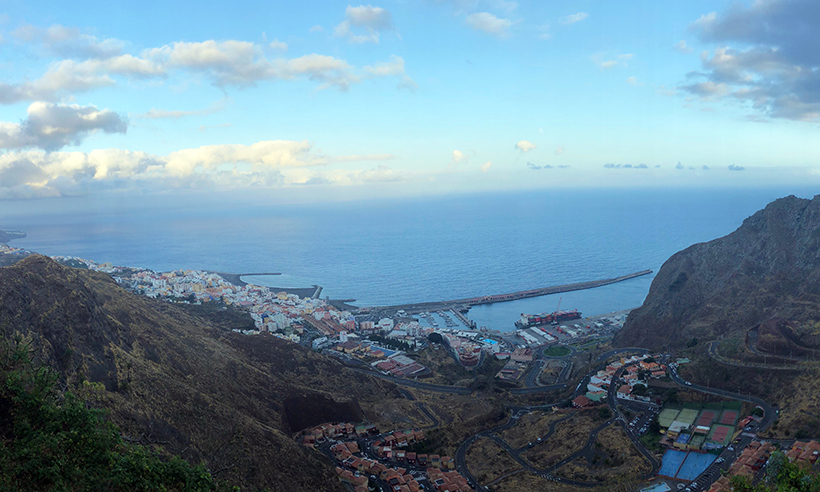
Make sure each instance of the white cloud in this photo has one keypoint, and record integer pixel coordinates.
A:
(316, 28)
(372, 20)
(572, 19)
(486, 166)
(392, 68)
(545, 32)
(633, 81)
(617, 61)
(369, 16)
(708, 89)
(682, 47)
(489, 24)
(31, 174)
(53, 126)
(525, 146)
(458, 156)
(279, 45)
(559, 150)
(68, 41)
(239, 63)
(228, 63)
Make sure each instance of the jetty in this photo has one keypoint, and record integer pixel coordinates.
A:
(459, 304)
(236, 278)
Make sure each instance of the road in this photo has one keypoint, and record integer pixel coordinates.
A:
(439, 388)
(713, 353)
(532, 379)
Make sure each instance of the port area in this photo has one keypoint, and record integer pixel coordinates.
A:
(578, 331)
(463, 305)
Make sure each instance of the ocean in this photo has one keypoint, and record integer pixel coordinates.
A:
(382, 252)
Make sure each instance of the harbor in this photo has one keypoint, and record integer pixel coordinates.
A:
(461, 305)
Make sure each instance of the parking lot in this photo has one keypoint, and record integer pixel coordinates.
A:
(643, 415)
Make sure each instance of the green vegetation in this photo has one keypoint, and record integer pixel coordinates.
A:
(781, 476)
(391, 343)
(557, 351)
(50, 441)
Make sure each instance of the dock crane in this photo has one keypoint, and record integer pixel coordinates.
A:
(555, 317)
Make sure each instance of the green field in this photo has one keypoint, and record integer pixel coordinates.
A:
(557, 351)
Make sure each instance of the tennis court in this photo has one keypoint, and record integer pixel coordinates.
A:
(687, 416)
(694, 465)
(729, 417)
(721, 434)
(707, 417)
(667, 416)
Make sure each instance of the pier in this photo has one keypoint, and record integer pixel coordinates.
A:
(457, 304)
(236, 278)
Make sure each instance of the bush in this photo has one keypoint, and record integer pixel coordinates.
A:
(52, 441)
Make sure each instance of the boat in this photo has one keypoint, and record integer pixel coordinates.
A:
(555, 317)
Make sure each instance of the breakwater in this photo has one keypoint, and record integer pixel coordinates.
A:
(236, 278)
(512, 296)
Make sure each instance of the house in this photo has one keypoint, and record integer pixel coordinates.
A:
(582, 402)
(624, 392)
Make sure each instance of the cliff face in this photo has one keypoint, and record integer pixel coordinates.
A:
(174, 379)
(769, 268)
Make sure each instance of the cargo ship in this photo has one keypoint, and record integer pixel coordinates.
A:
(528, 320)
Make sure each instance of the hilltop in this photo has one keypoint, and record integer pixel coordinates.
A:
(180, 382)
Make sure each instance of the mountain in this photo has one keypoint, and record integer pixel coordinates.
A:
(765, 276)
(179, 380)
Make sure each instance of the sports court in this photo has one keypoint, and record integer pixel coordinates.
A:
(694, 465)
(687, 416)
(684, 465)
(671, 462)
(729, 417)
(707, 417)
(721, 434)
(667, 416)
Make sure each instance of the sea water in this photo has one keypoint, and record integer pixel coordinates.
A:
(409, 250)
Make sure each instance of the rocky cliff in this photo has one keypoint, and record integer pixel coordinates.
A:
(767, 271)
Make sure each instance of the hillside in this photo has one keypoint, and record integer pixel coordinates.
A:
(746, 309)
(183, 383)
(768, 269)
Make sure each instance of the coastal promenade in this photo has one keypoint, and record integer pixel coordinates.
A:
(513, 296)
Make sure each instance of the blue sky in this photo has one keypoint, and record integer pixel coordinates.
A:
(329, 99)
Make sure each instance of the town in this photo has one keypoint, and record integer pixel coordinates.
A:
(682, 436)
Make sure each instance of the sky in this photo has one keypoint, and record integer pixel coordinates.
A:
(322, 100)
